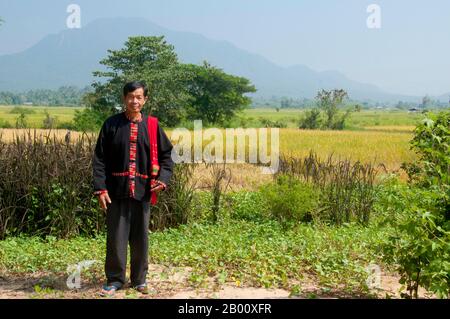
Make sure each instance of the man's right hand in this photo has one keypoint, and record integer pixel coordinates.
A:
(104, 200)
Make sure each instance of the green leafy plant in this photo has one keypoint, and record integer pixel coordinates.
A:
(329, 102)
(49, 122)
(246, 205)
(432, 143)
(21, 110)
(269, 123)
(421, 246)
(311, 120)
(290, 200)
(21, 121)
(88, 120)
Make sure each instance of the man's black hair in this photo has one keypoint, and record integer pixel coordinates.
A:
(133, 86)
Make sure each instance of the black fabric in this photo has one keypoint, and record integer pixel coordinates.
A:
(112, 155)
(127, 220)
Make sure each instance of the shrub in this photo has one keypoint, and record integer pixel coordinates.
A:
(432, 143)
(5, 124)
(21, 121)
(311, 120)
(88, 120)
(421, 245)
(49, 122)
(21, 110)
(339, 123)
(347, 188)
(290, 200)
(269, 123)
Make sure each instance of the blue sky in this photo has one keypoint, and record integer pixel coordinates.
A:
(409, 54)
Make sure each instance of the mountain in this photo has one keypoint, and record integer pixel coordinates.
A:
(69, 57)
(444, 97)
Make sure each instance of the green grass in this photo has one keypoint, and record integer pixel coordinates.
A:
(21, 255)
(384, 118)
(36, 114)
(263, 254)
(357, 120)
(242, 252)
(288, 116)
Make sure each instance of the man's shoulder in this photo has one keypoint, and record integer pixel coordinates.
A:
(114, 119)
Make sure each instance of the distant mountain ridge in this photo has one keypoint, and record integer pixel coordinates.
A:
(69, 57)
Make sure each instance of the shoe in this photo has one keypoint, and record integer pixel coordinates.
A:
(108, 290)
(143, 289)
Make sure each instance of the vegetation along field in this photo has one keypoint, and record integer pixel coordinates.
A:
(391, 120)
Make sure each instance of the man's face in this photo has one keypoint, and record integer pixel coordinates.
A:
(134, 101)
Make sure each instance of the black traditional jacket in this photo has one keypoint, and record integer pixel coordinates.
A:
(121, 160)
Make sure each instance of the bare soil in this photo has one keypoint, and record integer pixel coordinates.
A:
(172, 282)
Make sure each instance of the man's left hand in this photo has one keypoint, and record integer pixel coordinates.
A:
(159, 187)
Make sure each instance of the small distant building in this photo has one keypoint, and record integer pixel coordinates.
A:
(413, 110)
(28, 103)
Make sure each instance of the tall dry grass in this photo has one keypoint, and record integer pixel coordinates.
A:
(46, 188)
(347, 188)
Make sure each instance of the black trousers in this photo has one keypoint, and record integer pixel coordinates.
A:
(127, 220)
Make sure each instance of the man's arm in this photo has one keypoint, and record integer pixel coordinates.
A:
(99, 167)
(164, 157)
(98, 163)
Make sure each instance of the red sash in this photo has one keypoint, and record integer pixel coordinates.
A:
(152, 127)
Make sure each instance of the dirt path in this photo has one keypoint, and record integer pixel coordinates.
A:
(173, 283)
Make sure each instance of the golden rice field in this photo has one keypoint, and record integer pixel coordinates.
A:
(389, 147)
(376, 136)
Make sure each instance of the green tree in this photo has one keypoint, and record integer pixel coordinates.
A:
(21, 121)
(88, 120)
(49, 122)
(216, 97)
(329, 102)
(311, 120)
(148, 59)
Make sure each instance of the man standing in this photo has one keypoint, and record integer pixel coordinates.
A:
(123, 168)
